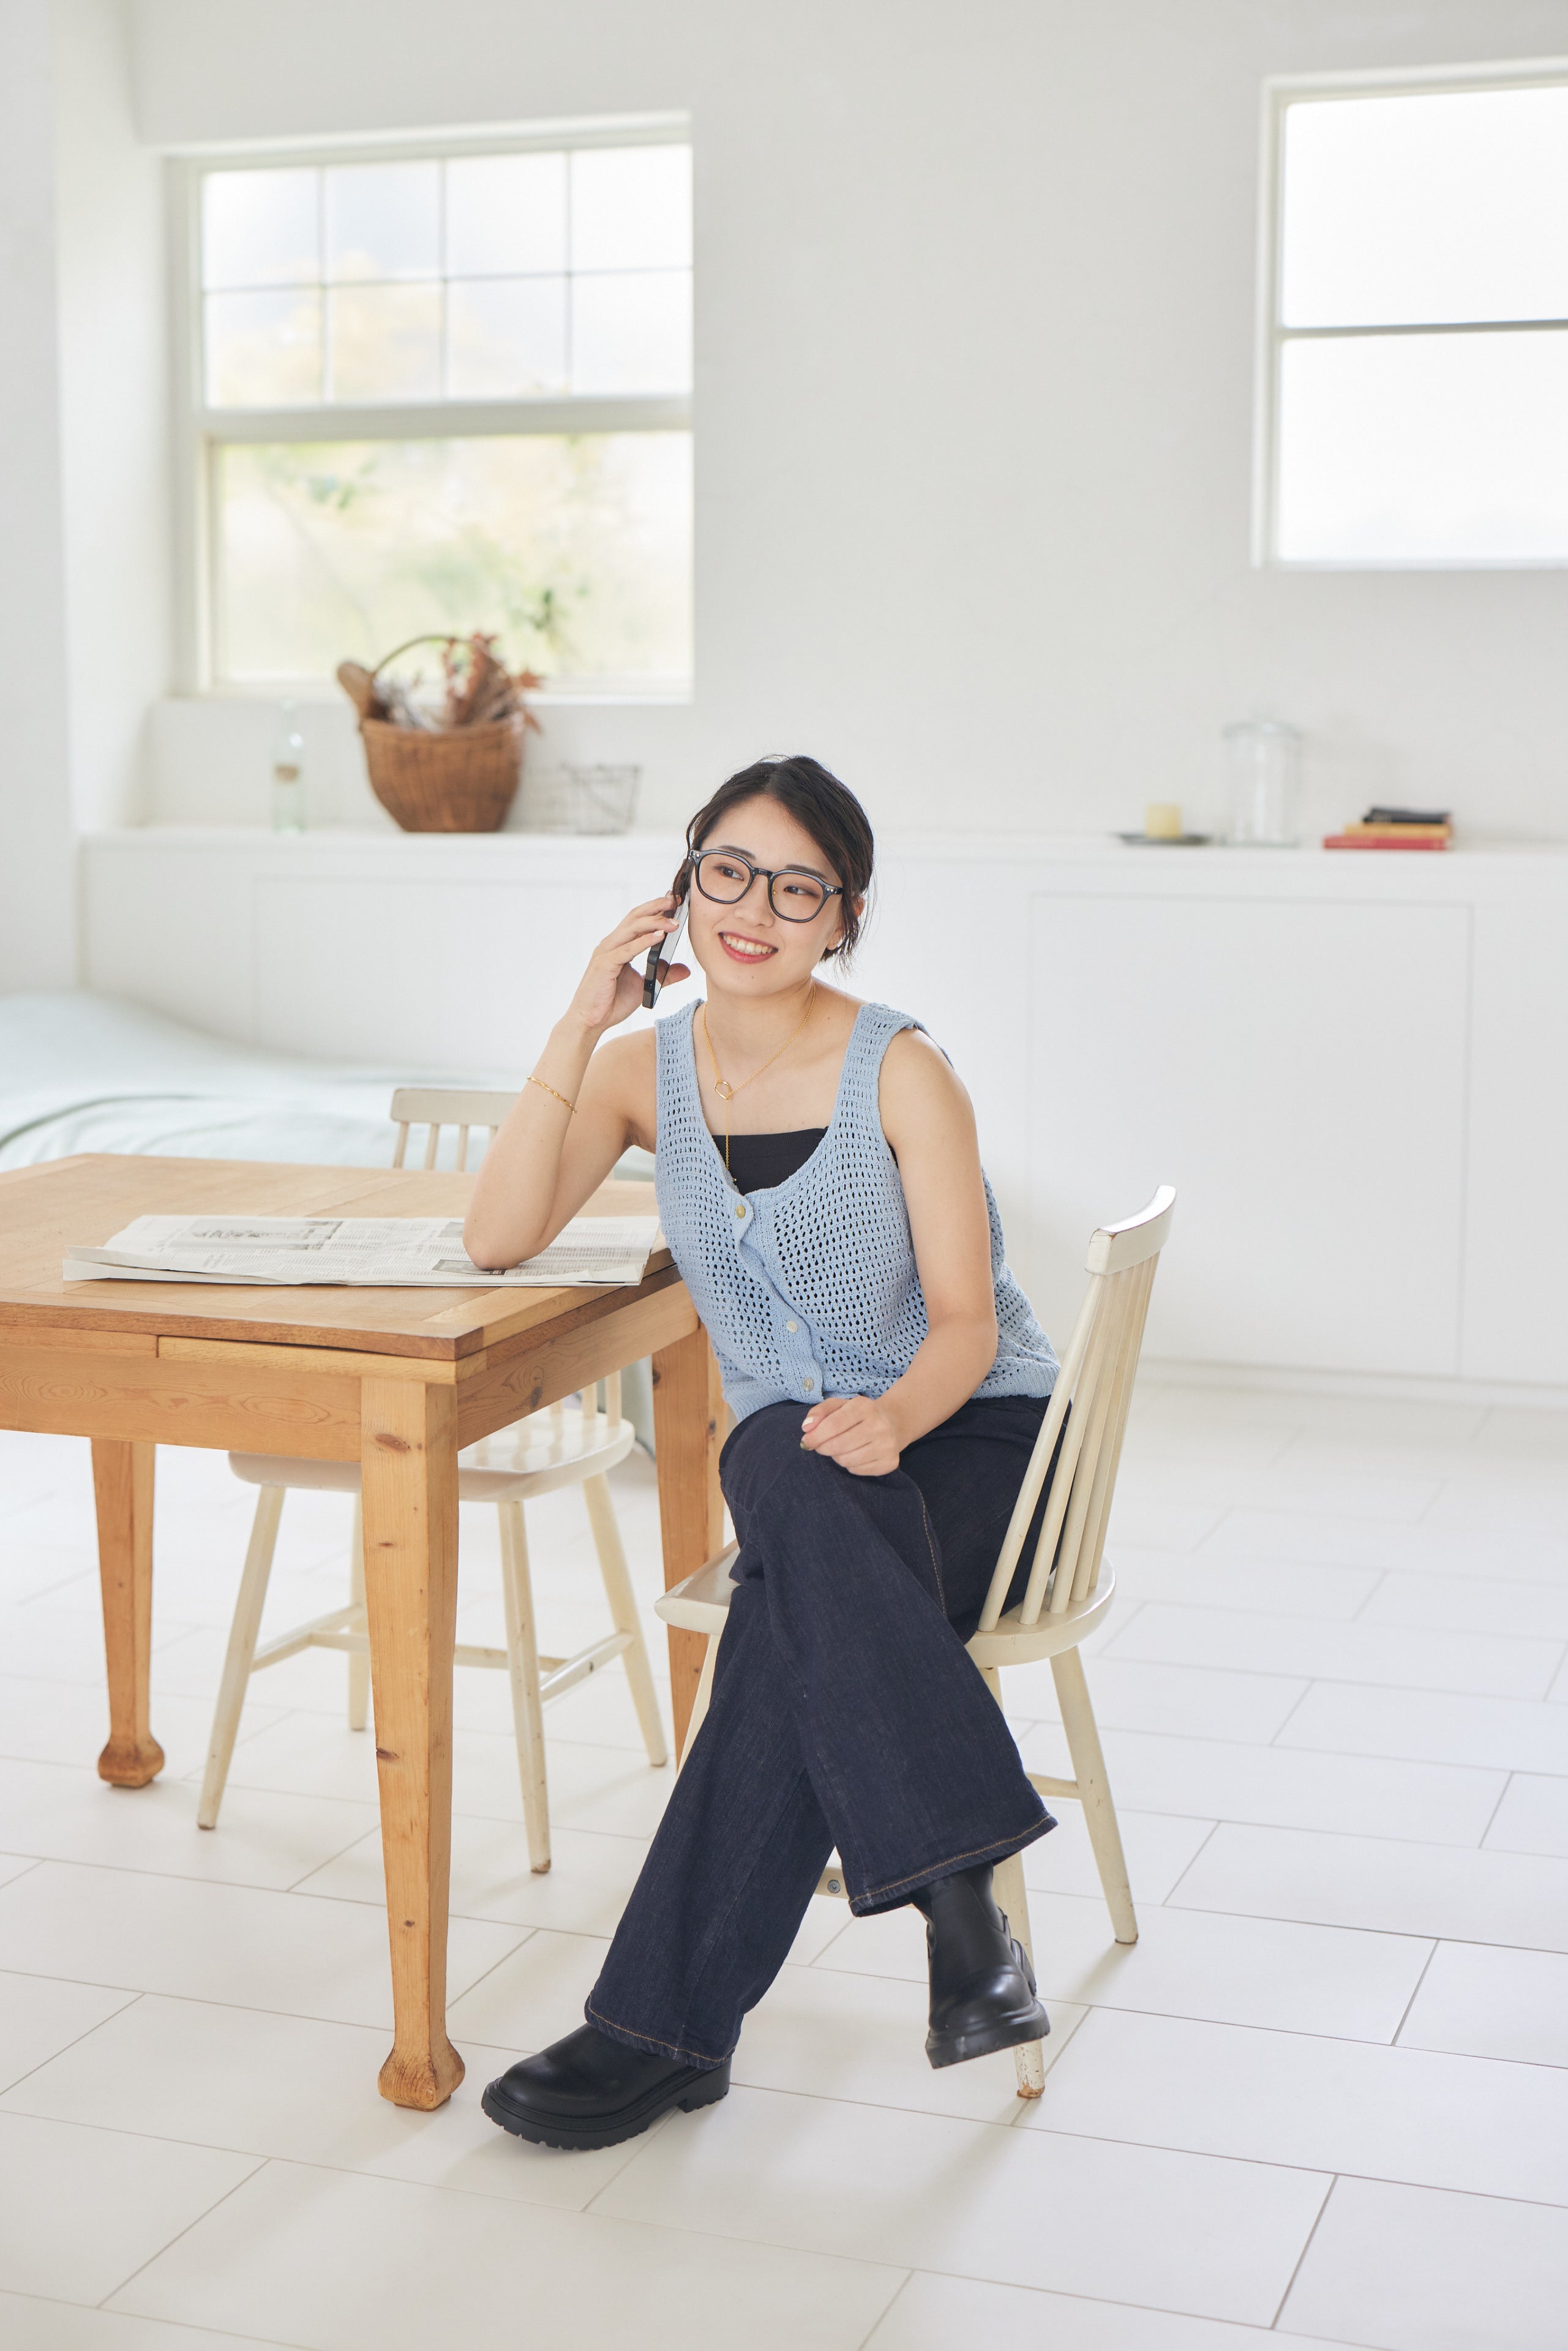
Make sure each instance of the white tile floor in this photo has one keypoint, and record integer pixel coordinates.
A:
(1324, 2097)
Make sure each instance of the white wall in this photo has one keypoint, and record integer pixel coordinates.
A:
(973, 387)
(38, 943)
(114, 411)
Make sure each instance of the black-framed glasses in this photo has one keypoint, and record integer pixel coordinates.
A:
(795, 895)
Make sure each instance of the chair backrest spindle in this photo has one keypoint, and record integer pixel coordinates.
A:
(464, 1107)
(1108, 1452)
(1093, 1396)
(1039, 1461)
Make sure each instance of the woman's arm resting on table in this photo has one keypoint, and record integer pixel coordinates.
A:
(928, 1118)
(578, 1111)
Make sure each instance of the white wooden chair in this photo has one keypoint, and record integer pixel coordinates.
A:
(438, 1106)
(1067, 1594)
(533, 1456)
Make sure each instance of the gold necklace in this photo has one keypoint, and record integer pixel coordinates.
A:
(721, 1085)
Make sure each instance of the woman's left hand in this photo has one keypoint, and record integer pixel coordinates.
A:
(857, 1432)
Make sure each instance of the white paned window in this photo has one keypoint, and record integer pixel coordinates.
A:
(1414, 386)
(439, 391)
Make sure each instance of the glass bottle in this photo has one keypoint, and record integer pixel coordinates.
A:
(1264, 757)
(288, 772)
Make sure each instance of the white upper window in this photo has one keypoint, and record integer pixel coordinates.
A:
(443, 390)
(1414, 385)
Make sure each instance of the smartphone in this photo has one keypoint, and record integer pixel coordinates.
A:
(663, 953)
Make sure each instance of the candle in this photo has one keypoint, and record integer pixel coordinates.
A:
(1162, 820)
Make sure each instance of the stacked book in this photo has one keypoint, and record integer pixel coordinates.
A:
(1396, 828)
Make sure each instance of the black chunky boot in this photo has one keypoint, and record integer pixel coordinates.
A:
(982, 1985)
(587, 2091)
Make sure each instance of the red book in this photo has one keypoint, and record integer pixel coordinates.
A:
(1380, 841)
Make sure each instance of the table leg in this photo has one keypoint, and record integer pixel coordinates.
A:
(122, 1489)
(688, 1431)
(408, 1466)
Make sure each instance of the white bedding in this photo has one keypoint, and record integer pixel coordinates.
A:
(85, 1073)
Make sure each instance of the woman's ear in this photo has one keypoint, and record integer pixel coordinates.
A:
(857, 907)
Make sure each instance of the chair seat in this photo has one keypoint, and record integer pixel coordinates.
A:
(701, 1603)
(1012, 1644)
(533, 1456)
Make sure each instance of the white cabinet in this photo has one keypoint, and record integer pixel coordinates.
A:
(1351, 1067)
(1297, 1070)
(1516, 1245)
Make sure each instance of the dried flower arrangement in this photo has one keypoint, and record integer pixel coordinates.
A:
(477, 689)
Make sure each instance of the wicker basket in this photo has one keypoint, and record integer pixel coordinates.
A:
(462, 780)
(438, 779)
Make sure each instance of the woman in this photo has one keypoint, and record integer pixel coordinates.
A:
(820, 1187)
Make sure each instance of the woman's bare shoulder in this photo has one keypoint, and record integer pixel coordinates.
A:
(623, 1066)
(621, 1087)
(918, 1081)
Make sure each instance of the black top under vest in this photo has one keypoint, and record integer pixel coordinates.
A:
(758, 1162)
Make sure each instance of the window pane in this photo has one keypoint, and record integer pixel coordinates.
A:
(576, 548)
(263, 351)
(260, 228)
(631, 208)
(506, 215)
(385, 342)
(383, 220)
(1405, 211)
(1425, 448)
(631, 333)
(506, 336)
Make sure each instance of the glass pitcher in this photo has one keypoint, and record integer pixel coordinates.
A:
(1264, 759)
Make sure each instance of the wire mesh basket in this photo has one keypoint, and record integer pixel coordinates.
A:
(571, 798)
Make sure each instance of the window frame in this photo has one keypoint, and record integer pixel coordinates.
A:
(1282, 91)
(199, 430)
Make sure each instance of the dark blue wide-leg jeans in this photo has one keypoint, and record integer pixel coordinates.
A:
(845, 1714)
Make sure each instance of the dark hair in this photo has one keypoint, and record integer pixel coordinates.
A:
(821, 806)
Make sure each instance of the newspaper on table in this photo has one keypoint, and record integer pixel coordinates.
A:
(380, 1252)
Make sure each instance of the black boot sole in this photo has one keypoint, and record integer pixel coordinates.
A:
(609, 2130)
(1006, 2031)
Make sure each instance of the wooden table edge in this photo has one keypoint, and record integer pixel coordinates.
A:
(505, 1336)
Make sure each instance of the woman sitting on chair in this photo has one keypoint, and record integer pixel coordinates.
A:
(821, 1189)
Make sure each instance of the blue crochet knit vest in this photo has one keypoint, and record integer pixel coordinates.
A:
(809, 1287)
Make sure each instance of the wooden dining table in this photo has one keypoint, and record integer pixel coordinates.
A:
(398, 1380)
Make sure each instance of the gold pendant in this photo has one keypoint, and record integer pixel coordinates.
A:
(722, 1087)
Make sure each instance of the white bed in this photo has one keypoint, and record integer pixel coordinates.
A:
(85, 1073)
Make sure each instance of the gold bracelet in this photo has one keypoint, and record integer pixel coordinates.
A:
(570, 1107)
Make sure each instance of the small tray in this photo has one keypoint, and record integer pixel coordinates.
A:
(1168, 839)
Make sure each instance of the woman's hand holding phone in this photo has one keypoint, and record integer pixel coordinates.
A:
(611, 990)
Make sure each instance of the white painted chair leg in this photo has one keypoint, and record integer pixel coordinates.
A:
(523, 1663)
(1012, 1897)
(241, 1650)
(359, 1666)
(704, 1692)
(624, 1613)
(1094, 1791)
